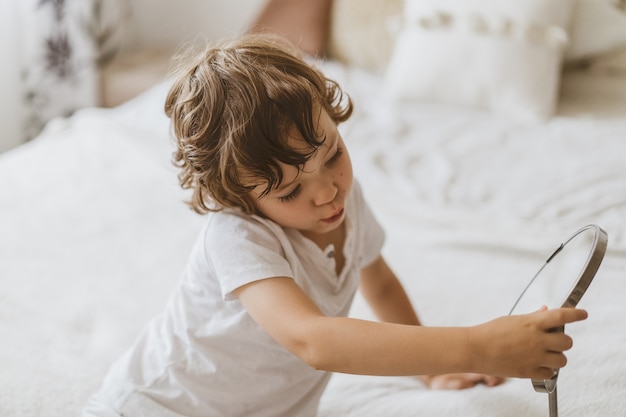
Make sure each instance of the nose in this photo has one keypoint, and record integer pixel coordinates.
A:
(325, 192)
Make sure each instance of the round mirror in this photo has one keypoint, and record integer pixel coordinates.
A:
(566, 274)
(561, 282)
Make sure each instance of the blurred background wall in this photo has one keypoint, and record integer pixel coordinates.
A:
(62, 55)
(164, 23)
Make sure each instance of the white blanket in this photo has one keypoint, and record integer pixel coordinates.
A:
(94, 235)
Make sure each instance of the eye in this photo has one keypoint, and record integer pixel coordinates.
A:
(291, 195)
(335, 157)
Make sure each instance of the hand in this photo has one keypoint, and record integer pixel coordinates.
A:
(460, 381)
(522, 345)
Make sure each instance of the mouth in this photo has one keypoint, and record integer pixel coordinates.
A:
(335, 217)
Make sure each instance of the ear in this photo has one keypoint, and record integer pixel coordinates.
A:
(303, 22)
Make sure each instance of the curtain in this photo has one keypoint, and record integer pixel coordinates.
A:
(57, 48)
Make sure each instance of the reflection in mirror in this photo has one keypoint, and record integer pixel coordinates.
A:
(557, 278)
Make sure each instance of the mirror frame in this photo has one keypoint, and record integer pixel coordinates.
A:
(588, 272)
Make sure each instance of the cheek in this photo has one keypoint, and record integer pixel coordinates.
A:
(283, 214)
(263, 208)
(345, 171)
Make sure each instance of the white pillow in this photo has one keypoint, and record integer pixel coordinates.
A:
(501, 55)
(360, 32)
(599, 27)
(361, 35)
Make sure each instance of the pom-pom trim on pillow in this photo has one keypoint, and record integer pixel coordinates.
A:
(477, 24)
(505, 57)
(360, 32)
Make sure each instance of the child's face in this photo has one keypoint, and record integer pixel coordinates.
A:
(313, 201)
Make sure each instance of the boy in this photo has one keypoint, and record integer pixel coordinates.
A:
(258, 321)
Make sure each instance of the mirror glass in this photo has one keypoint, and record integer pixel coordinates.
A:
(559, 276)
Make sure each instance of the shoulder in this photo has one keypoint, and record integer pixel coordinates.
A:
(240, 249)
(229, 220)
(231, 227)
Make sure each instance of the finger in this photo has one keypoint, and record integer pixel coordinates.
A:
(492, 381)
(554, 360)
(542, 373)
(558, 342)
(561, 316)
(455, 381)
(468, 383)
(471, 380)
(445, 383)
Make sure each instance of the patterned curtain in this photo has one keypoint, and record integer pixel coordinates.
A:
(63, 44)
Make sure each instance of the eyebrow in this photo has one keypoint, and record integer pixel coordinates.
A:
(285, 185)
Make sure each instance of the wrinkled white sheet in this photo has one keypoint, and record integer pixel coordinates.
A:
(473, 205)
(93, 236)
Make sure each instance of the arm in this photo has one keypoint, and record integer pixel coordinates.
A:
(384, 293)
(509, 346)
(387, 298)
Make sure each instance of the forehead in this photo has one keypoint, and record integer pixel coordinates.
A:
(294, 141)
(325, 126)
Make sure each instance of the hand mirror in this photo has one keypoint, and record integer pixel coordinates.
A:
(561, 282)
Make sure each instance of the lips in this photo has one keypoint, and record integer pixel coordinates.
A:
(334, 217)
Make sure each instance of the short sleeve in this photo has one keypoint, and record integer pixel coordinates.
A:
(242, 249)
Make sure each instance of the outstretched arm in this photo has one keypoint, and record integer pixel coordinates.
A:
(387, 298)
(385, 294)
(518, 346)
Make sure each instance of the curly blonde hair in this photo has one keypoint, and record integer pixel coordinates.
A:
(231, 109)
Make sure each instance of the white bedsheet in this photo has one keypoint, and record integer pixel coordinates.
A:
(473, 204)
(93, 236)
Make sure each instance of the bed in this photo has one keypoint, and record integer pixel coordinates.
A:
(94, 235)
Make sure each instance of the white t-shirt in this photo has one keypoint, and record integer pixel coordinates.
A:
(205, 356)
